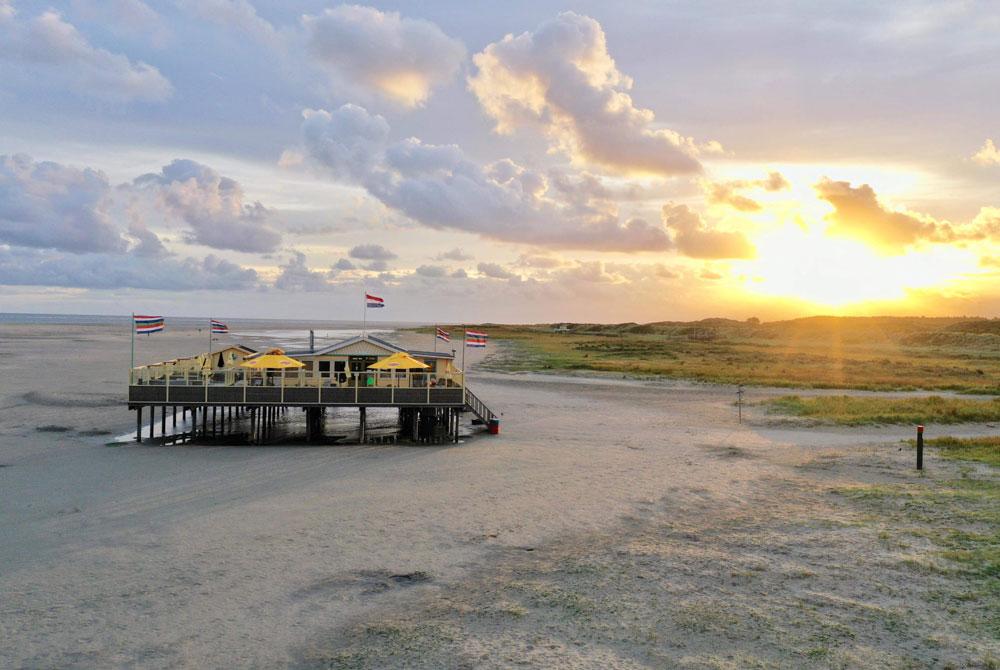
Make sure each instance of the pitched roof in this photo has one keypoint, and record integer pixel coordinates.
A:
(332, 348)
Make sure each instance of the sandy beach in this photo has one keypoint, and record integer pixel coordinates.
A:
(614, 523)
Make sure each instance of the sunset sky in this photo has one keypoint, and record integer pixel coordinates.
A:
(517, 161)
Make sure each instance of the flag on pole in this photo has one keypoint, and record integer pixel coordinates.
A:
(475, 339)
(219, 328)
(147, 324)
(373, 301)
(443, 335)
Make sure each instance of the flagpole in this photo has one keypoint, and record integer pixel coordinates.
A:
(132, 324)
(465, 345)
(210, 340)
(364, 312)
(435, 338)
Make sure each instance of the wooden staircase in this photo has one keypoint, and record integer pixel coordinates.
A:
(478, 407)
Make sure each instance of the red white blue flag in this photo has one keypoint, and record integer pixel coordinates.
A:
(475, 339)
(373, 301)
(219, 328)
(443, 335)
(147, 324)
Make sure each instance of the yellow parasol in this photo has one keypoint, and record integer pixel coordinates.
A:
(399, 361)
(272, 362)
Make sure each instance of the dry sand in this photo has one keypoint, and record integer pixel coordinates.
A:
(613, 524)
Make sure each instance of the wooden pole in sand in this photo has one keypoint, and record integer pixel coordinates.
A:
(138, 423)
(920, 447)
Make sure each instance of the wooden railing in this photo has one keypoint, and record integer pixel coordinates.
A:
(477, 406)
(160, 375)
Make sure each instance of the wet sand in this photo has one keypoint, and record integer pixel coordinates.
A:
(613, 524)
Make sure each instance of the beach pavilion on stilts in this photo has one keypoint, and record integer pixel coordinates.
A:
(251, 389)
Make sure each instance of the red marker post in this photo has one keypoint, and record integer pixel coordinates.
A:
(920, 447)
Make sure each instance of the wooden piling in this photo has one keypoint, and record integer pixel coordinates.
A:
(138, 423)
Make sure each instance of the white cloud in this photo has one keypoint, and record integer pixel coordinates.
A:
(441, 188)
(212, 205)
(400, 58)
(49, 42)
(988, 154)
(562, 80)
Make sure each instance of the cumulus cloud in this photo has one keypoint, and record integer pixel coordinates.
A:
(344, 264)
(33, 267)
(400, 58)
(495, 271)
(440, 187)
(432, 271)
(371, 252)
(212, 206)
(728, 192)
(460, 273)
(455, 254)
(695, 238)
(857, 213)
(51, 43)
(48, 205)
(295, 275)
(988, 154)
(561, 79)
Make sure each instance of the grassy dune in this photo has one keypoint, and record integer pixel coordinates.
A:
(854, 410)
(873, 353)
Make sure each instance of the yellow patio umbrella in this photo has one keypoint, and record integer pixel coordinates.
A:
(399, 361)
(272, 362)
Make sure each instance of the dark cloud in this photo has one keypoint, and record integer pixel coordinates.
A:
(371, 252)
(377, 266)
(433, 271)
(696, 239)
(48, 205)
(441, 188)
(32, 267)
(455, 254)
(344, 264)
(495, 271)
(212, 206)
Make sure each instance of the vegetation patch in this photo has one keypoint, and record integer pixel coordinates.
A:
(984, 449)
(860, 410)
(870, 353)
